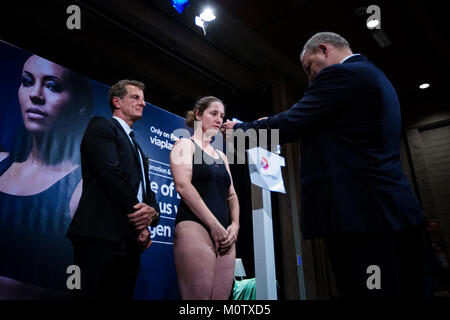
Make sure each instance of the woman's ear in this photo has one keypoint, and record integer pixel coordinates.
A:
(197, 115)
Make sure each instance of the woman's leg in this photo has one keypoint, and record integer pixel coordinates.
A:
(224, 274)
(195, 260)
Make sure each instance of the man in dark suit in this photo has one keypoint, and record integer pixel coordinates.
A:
(110, 227)
(353, 190)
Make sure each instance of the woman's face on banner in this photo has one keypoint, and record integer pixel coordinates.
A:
(43, 94)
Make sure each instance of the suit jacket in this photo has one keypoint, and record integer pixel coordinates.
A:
(351, 177)
(111, 175)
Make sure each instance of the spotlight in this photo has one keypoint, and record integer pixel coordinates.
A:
(207, 15)
(424, 86)
(199, 22)
(180, 5)
(204, 19)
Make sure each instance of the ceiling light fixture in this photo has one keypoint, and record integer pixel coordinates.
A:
(424, 86)
(204, 19)
(199, 22)
(207, 15)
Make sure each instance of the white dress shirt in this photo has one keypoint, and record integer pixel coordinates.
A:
(142, 186)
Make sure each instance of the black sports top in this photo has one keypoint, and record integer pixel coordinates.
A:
(211, 180)
(33, 245)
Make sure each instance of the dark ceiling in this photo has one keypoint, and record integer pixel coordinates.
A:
(418, 32)
(250, 45)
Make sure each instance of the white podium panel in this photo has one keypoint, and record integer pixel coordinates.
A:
(265, 276)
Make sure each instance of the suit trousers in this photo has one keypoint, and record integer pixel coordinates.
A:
(403, 264)
(108, 270)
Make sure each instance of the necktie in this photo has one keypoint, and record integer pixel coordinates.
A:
(135, 144)
(136, 151)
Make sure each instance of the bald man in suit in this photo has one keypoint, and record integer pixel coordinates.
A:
(353, 189)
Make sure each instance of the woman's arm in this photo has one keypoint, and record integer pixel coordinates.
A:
(233, 205)
(181, 167)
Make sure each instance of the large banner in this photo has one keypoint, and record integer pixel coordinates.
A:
(44, 111)
(156, 133)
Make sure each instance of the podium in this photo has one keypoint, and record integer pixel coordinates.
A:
(265, 175)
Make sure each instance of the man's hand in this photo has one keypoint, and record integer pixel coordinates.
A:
(144, 239)
(143, 216)
(227, 125)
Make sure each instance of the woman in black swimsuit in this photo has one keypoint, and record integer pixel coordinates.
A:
(207, 222)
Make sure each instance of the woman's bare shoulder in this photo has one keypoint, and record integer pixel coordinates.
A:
(184, 143)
